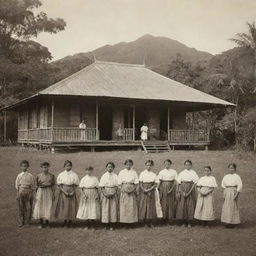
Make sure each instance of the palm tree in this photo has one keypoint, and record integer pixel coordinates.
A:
(248, 40)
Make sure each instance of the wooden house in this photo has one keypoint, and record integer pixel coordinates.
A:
(114, 100)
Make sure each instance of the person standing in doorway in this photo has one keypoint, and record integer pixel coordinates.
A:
(82, 127)
(144, 132)
(120, 133)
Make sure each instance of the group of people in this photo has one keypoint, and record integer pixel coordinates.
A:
(126, 197)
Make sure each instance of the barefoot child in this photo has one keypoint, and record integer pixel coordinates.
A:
(186, 204)
(89, 206)
(128, 181)
(167, 180)
(24, 185)
(66, 207)
(147, 203)
(109, 196)
(204, 206)
(232, 185)
(45, 182)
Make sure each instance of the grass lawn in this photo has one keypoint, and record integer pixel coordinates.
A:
(161, 240)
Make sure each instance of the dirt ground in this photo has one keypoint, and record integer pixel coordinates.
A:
(162, 240)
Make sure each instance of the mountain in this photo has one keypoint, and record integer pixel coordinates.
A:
(153, 50)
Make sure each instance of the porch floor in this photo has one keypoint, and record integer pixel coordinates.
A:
(108, 143)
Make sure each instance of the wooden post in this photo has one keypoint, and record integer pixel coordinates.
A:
(168, 123)
(5, 130)
(97, 121)
(52, 119)
(133, 122)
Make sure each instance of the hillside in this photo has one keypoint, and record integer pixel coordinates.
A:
(156, 51)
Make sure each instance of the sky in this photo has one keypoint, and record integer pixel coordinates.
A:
(202, 24)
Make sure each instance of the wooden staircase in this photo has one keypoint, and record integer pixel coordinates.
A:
(155, 146)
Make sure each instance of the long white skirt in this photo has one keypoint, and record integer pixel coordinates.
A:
(144, 135)
(89, 206)
(204, 206)
(230, 211)
(43, 205)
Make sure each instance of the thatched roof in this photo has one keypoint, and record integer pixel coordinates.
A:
(126, 81)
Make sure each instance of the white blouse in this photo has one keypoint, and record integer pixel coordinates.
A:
(89, 182)
(187, 176)
(147, 176)
(207, 181)
(232, 180)
(68, 178)
(128, 176)
(167, 175)
(109, 179)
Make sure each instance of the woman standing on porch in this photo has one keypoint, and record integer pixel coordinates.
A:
(144, 132)
(186, 194)
(66, 207)
(167, 181)
(128, 181)
(109, 196)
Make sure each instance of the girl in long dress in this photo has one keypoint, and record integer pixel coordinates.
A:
(128, 182)
(147, 201)
(89, 206)
(232, 185)
(45, 182)
(109, 196)
(66, 205)
(204, 207)
(186, 194)
(167, 181)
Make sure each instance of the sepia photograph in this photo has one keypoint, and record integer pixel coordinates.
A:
(127, 127)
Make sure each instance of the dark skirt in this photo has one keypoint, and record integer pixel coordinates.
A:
(147, 204)
(186, 206)
(168, 201)
(66, 206)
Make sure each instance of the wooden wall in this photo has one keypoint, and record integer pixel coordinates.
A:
(69, 113)
(153, 122)
(43, 116)
(117, 120)
(23, 119)
(178, 120)
(88, 114)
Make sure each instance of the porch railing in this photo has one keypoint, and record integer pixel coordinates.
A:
(128, 134)
(189, 136)
(58, 135)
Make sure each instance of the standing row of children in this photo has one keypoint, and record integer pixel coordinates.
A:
(126, 198)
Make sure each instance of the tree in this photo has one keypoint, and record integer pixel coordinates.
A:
(248, 41)
(20, 56)
(18, 24)
(24, 66)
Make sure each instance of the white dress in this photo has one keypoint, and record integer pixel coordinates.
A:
(109, 206)
(144, 132)
(89, 206)
(232, 184)
(128, 180)
(204, 206)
